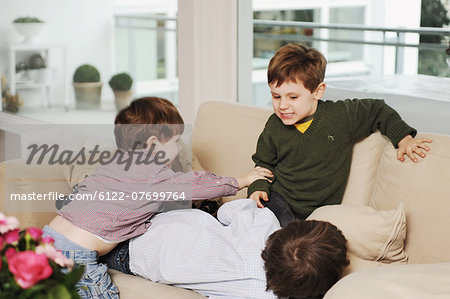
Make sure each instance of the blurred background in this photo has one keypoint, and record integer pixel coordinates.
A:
(193, 51)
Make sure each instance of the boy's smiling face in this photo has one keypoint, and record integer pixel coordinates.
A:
(292, 102)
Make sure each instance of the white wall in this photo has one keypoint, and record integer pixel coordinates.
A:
(84, 26)
(207, 53)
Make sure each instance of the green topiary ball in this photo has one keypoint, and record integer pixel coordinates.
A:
(36, 61)
(86, 73)
(28, 20)
(121, 82)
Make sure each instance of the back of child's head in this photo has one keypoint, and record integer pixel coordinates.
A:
(297, 62)
(146, 117)
(304, 259)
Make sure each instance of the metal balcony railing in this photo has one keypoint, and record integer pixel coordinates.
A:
(389, 36)
(125, 21)
(399, 42)
(165, 29)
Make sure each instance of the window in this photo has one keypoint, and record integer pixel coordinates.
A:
(344, 58)
(267, 39)
(338, 52)
(146, 46)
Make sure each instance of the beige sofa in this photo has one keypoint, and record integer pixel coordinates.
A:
(224, 138)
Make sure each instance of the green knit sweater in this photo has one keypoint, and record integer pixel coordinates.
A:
(311, 169)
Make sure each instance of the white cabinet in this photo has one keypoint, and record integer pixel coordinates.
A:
(48, 80)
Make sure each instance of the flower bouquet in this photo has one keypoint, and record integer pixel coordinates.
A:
(30, 267)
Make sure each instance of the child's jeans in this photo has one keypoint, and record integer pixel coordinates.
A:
(280, 208)
(118, 258)
(95, 282)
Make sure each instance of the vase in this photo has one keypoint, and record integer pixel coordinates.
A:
(88, 95)
(122, 98)
(28, 30)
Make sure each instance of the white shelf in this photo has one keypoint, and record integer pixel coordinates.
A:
(34, 47)
(49, 52)
(20, 85)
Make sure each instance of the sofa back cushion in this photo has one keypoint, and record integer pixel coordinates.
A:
(224, 137)
(365, 160)
(424, 189)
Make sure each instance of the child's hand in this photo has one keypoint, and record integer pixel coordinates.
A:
(257, 173)
(412, 147)
(257, 195)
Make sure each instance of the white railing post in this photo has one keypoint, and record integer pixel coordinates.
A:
(131, 48)
(399, 53)
(171, 44)
(245, 52)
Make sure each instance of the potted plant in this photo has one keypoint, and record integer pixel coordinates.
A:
(10, 103)
(37, 69)
(87, 86)
(28, 27)
(121, 85)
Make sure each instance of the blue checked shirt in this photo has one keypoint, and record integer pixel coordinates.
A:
(191, 249)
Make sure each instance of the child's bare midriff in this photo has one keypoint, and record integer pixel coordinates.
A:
(80, 236)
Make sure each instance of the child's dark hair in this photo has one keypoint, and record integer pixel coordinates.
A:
(146, 117)
(295, 62)
(304, 259)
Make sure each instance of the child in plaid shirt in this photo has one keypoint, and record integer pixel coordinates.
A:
(147, 130)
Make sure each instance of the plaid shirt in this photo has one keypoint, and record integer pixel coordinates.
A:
(117, 204)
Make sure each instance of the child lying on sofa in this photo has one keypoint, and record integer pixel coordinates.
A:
(230, 257)
(85, 229)
(307, 143)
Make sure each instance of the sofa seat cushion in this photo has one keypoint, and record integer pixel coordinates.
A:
(358, 264)
(131, 287)
(396, 282)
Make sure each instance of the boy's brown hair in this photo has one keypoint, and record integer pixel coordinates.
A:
(146, 117)
(304, 259)
(297, 62)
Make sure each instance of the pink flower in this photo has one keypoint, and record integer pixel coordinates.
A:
(34, 232)
(29, 268)
(2, 240)
(10, 252)
(12, 236)
(47, 240)
(55, 255)
(7, 223)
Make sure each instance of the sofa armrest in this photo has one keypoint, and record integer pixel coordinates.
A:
(20, 180)
(395, 281)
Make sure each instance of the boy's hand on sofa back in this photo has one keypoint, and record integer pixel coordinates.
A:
(411, 147)
(257, 196)
(257, 173)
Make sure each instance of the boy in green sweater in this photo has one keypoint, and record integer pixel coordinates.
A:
(307, 143)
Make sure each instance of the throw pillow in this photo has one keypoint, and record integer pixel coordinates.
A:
(372, 235)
